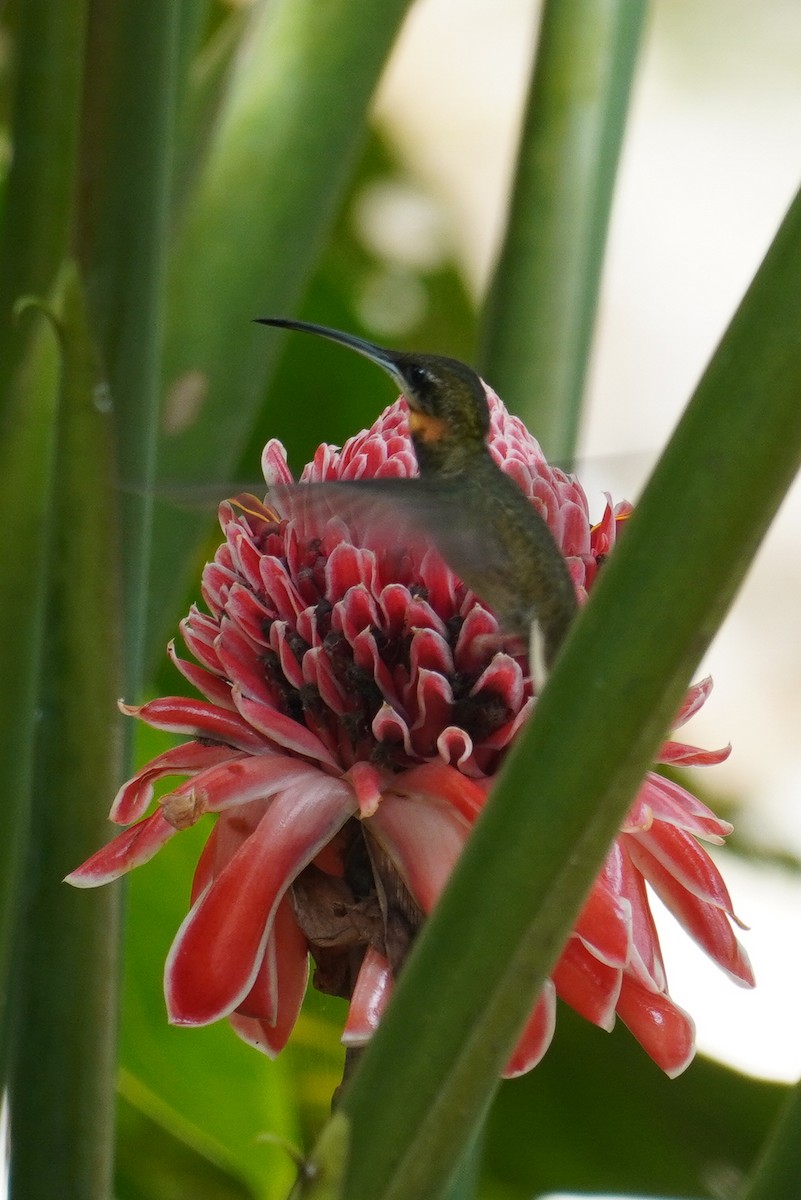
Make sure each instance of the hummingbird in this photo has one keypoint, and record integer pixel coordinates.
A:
(482, 524)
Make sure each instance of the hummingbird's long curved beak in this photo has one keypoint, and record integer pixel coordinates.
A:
(376, 354)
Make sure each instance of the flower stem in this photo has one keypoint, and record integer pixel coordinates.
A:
(539, 314)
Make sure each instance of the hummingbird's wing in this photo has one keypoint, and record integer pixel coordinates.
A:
(409, 514)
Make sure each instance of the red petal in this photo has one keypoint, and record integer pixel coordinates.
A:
(707, 924)
(680, 754)
(536, 1036)
(604, 923)
(219, 947)
(135, 795)
(210, 685)
(694, 699)
(424, 838)
(686, 862)
(671, 803)
(280, 984)
(257, 777)
(663, 1030)
(587, 985)
(370, 998)
(198, 718)
(128, 850)
(282, 730)
(438, 780)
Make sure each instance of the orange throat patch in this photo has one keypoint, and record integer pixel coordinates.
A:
(426, 428)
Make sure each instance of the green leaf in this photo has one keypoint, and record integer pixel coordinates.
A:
(153, 1164)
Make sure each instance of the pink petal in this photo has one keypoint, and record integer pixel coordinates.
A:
(536, 1036)
(663, 1029)
(370, 998)
(128, 850)
(694, 699)
(218, 950)
(274, 465)
(680, 754)
(366, 782)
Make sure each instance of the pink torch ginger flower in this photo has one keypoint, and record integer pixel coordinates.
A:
(356, 703)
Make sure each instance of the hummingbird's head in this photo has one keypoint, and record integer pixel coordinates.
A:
(448, 411)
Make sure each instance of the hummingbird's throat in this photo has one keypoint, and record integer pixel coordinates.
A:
(426, 428)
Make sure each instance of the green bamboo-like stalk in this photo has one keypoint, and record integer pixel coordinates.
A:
(44, 128)
(777, 1174)
(33, 241)
(126, 166)
(541, 306)
(285, 146)
(26, 459)
(62, 1086)
(519, 885)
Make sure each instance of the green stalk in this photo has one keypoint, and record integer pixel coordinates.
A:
(62, 1086)
(287, 141)
(469, 983)
(777, 1174)
(540, 310)
(33, 242)
(26, 461)
(44, 130)
(135, 65)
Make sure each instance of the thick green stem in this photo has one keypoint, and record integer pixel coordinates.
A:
(62, 1087)
(33, 241)
(123, 221)
(44, 132)
(470, 981)
(540, 309)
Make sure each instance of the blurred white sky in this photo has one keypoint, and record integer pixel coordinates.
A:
(711, 161)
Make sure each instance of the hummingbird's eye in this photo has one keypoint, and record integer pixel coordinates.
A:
(419, 377)
(423, 384)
